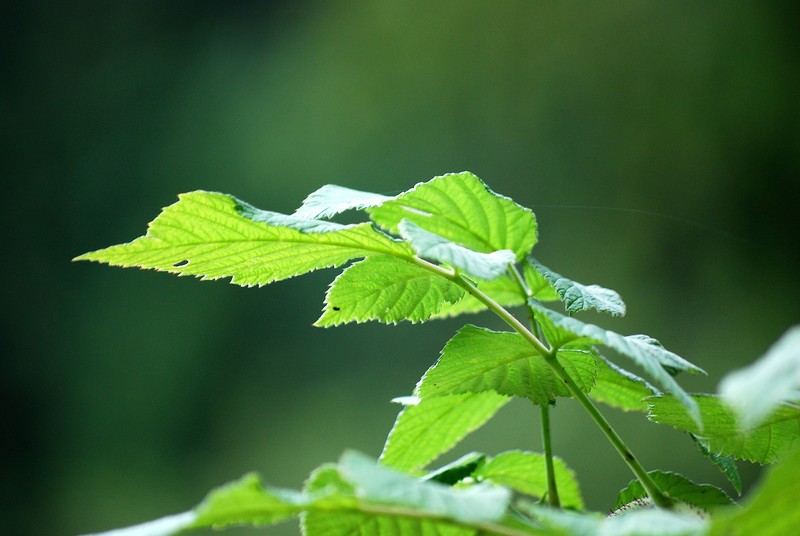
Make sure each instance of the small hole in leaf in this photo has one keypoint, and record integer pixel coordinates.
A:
(180, 264)
(336, 308)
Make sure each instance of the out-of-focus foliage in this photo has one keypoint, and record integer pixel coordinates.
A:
(131, 394)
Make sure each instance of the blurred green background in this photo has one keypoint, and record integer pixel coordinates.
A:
(658, 143)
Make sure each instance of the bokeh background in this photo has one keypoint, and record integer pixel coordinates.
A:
(658, 143)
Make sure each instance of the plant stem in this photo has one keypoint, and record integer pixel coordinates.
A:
(652, 489)
(544, 410)
(552, 489)
(549, 355)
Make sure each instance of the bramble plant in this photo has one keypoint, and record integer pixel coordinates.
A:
(448, 247)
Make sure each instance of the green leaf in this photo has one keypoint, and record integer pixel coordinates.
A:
(247, 502)
(460, 208)
(645, 351)
(578, 297)
(677, 486)
(478, 359)
(770, 509)
(766, 443)
(645, 522)
(756, 391)
(434, 425)
(379, 484)
(726, 464)
(619, 388)
(386, 289)
(525, 472)
(332, 199)
(433, 247)
(212, 235)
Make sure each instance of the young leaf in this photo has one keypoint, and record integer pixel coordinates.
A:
(525, 472)
(677, 486)
(726, 464)
(756, 391)
(435, 248)
(578, 297)
(386, 289)
(766, 443)
(460, 208)
(212, 235)
(619, 388)
(645, 351)
(478, 359)
(375, 483)
(331, 200)
(424, 431)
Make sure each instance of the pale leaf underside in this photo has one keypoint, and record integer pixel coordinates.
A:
(433, 247)
(332, 199)
(578, 297)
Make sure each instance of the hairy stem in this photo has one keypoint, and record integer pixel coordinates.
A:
(552, 489)
(549, 356)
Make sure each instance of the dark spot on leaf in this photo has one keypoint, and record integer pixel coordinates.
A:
(180, 264)
(336, 308)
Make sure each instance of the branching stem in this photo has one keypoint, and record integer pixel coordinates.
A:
(658, 497)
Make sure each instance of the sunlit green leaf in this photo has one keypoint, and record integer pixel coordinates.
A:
(619, 388)
(645, 351)
(756, 391)
(676, 486)
(332, 199)
(213, 235)
(434, 425)
(525, 472)
(578, 297)
(460, 208)
(766, 443)
(478, 360)
(386, 289)
(435, 248)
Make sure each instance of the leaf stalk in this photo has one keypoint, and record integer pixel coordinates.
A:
(549, 354)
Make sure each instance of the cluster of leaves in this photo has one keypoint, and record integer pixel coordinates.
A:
(447, 247)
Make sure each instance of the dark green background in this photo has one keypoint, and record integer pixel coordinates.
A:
(658, 143)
